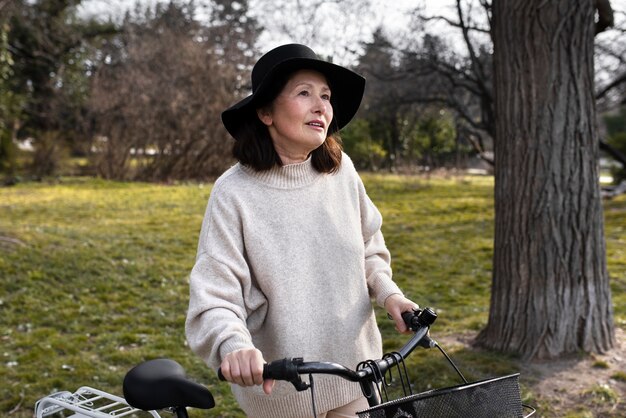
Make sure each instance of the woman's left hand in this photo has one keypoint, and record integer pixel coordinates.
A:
(395, 305)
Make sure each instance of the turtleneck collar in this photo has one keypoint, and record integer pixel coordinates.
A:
(286, 176)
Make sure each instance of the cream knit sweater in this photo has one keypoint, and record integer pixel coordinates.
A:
(287, 262)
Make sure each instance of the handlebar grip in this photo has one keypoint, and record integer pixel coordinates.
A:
(284, 369)
(409, 317)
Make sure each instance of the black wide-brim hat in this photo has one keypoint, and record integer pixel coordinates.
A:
(346, 86)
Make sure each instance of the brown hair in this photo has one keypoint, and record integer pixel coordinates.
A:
(254, 148)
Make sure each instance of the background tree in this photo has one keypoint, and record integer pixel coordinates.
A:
(160, 88)
(403, 105)
(382, 106)
(462, 65)
(432, 140)
(47, 43)
(55, 54)
(234, 33)
(320, 24)
(366, 152)
(467, 76)
(550, 292)
(10, 107)
(611, 89)
(616, 138)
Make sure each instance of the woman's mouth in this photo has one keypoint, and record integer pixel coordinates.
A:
(316, 124)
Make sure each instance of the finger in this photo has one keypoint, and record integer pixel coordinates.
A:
(268, 385)
(401, 325)
(235, 372)
(256, 367)
(225, 367)
(252, 368)
(246, 375)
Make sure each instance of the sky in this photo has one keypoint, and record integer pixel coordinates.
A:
(392, 14)
(336, 37)
(390, 11)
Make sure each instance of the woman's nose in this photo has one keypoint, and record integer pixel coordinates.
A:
(320, 106)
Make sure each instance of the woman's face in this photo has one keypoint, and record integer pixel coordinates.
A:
(299, 117)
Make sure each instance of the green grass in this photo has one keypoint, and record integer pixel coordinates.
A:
(93, 278)
(600, 364)
(602, 394)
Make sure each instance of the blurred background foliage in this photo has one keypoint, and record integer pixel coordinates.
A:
(135, 93)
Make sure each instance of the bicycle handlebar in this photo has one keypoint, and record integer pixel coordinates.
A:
(290, 370)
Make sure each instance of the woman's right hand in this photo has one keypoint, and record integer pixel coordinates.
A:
(245, 368)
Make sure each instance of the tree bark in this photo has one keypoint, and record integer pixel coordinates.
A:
(550, 291)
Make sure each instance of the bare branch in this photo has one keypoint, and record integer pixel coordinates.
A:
(476, 64)
(486, 5)
(619, 80)
(475, 139)
(606, 50)
(458, 78)
(613, 152)
(456, 105)
(454, 23)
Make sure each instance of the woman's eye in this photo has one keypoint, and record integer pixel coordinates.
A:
(304, 93)
(326, 96)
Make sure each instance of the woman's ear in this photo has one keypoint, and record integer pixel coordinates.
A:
(265, 115)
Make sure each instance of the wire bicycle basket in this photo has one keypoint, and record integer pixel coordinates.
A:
(495, 397)
(489, 398)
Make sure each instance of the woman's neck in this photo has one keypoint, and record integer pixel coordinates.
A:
(288, 158)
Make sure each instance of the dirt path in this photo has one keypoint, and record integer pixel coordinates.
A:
(583, 386)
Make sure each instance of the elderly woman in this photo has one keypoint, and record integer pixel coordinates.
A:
(291, 250)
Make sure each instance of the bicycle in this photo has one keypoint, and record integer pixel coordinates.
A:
(161, 384)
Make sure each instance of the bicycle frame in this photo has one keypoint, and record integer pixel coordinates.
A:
(155, 383)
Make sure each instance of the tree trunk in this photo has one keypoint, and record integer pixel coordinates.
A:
(550, 292)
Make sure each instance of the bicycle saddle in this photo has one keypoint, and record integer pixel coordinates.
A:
(161, 383)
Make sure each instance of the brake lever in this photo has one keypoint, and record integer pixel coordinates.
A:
(286, 369)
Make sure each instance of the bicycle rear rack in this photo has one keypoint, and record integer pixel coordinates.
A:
(87, 402)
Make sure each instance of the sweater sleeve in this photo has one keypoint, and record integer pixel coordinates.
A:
(377, 257)
(378, 269)
(222, 296)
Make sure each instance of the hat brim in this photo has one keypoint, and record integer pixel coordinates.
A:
(347, 89)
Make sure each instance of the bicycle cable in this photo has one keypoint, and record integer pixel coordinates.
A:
(450, 361)
(402, 372)
(312, 387)
(378, 377)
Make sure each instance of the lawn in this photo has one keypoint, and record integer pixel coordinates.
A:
(93, 278)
